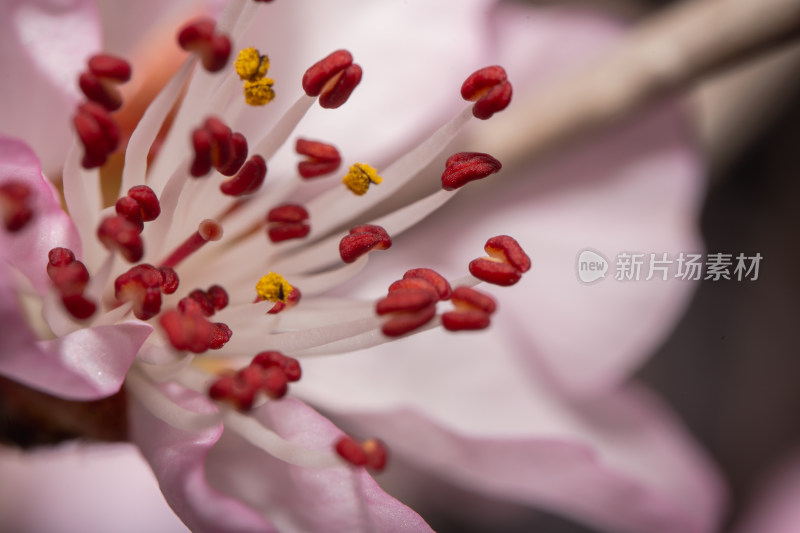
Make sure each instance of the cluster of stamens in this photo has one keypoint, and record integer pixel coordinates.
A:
(269, 372)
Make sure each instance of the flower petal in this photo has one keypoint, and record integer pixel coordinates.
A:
(178, 459)
(302, 499)
(26, 250)
(775, 509)
(45, 45)
(472, 414)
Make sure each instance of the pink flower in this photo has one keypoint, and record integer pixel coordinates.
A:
(502, 412)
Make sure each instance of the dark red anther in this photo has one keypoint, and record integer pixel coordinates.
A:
(322, 158)
(363, 239)
(220, 335)
(170, 281)
(70, 278)
(192, 332)
(404, 322)
(142, 286)
(197, 300)
(465, 320)
(463, 167)
(221, 141)
(57, 258)
(238, 156)
(372, 453)
(439, 282)
(414, 283)
(275, 385)
(411, 299)
(333, 79)
(147, 200)
(128, 208)
(507, 249)
(78, 306)
(234, 390)
(116, 233)
(98, 132)
(472, 310)
(288, 365)
(291, 301)
(15, 205)
(202, 143)
(287, 221)
(492, 271)
(218, 297)
(110, 67)
(489, 89)
(213, 48)
(467, 298)
(248, 180)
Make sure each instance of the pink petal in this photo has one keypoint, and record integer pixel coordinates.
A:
(301, 499)
(27, 249)
(45, 45)
(178, 459)
(88, 364)
(473, 413)
(98, 487)
(775, 509)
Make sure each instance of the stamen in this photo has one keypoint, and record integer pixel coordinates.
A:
(322, 158)
(463, 167)
(238, 157)
(438, 281)
(213, 48)
(506, 264)
(140, 205)
(250, 65)
(372, 453)
(215, 145)
(142, 285)
(489, 89)
(99, 83)
(208, 231)
(15, 206)
(269, 372)
(98, 132)
(70, 278)
(333, 79)
(207, 302)
(117, 233)
(359, 178)
(259, 92)
(286, 222)
(472, 312)
(409, 308)
(273, 287)
(248, 180)
(363, 239)
(190, 331)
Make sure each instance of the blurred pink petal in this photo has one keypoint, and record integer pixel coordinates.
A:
(45, 45)
(775, 509)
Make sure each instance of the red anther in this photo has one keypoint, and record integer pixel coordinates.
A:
(15, 206)
(291, 367)
(78, 306)
(188, 331)
(213, 48)
(495, 272)
(202, 144)
(377, 454)
(507, 249)
(232, 389)
(141, 285)
(237, 158)
(403, 322)
(463, 167)
(434, 278)
(467, 298)
(351, 451)
(202, 301)
(218, 297)
(248, 180)
(147, 200)
(291, 301)
(100, 91)
(170, 281)
(98, 133)
(322, 158)
(363, 239)
(323, 71)
(128, 208)
(415, 284)
(406, 300)
(71, 278)
(275, 384)
(220, 334)
(208, 230)
(57, 258)
(116, 233)
(110, 67)
(287, 222)
(465, 320)
(489, 89)
(268, 358)
(221, 141)
(336, 93)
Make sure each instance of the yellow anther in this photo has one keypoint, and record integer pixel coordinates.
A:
(359, 178)
(250, 65)
(273, 287)
(259, 92)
